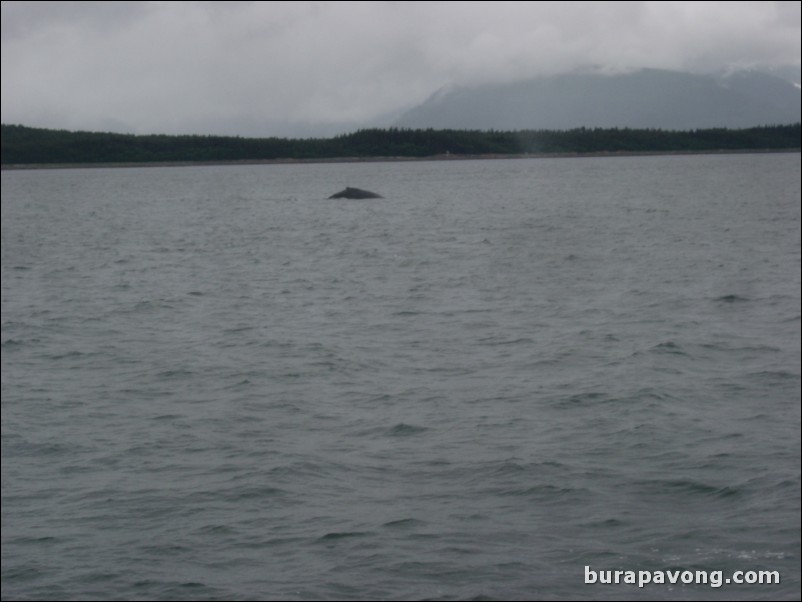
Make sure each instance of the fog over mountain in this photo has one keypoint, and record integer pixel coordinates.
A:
(647, 98)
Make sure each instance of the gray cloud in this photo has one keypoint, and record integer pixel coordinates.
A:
(261, 68)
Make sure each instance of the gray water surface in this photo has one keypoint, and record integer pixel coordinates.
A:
(217, 384)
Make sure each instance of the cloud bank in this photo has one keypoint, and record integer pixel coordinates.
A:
(284, 68)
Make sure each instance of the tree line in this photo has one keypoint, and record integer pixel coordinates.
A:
(27, 145)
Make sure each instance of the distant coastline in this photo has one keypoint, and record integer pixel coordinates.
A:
(26, 148)
(452, 157)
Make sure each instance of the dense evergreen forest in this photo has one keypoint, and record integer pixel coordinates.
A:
(26, 145)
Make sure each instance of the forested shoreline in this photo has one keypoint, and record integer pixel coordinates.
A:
(22, 145)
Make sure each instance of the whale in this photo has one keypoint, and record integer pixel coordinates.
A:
(355, 193)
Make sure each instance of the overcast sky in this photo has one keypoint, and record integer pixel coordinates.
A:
(272, 68)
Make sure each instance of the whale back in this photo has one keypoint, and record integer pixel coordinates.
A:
(355, 193)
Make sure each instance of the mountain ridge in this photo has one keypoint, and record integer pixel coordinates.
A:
(646, 98)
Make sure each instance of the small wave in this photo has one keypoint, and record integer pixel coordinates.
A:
(506, 467)
(691, 488)
(168, 590)
(243, 384)
(731, 299)
(744, 348)
(70, 355)
(166, 417)
(610, 523)
(36, 449)
(24, 574)
(298, 470)
(584, 399)
(238, 329)
(774, 375)
(405, 430)
(35, 540)
(217, 529)
(175, 374)
(192, 585)
(544, 493)
(251, 493)
(496, 341)
(669, 345)
(148, 306)
(337, 535)
(446, 371)
(403, 523)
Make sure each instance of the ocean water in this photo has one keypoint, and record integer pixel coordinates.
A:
(500, 380)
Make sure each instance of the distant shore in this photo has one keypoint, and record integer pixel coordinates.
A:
(444, 157)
